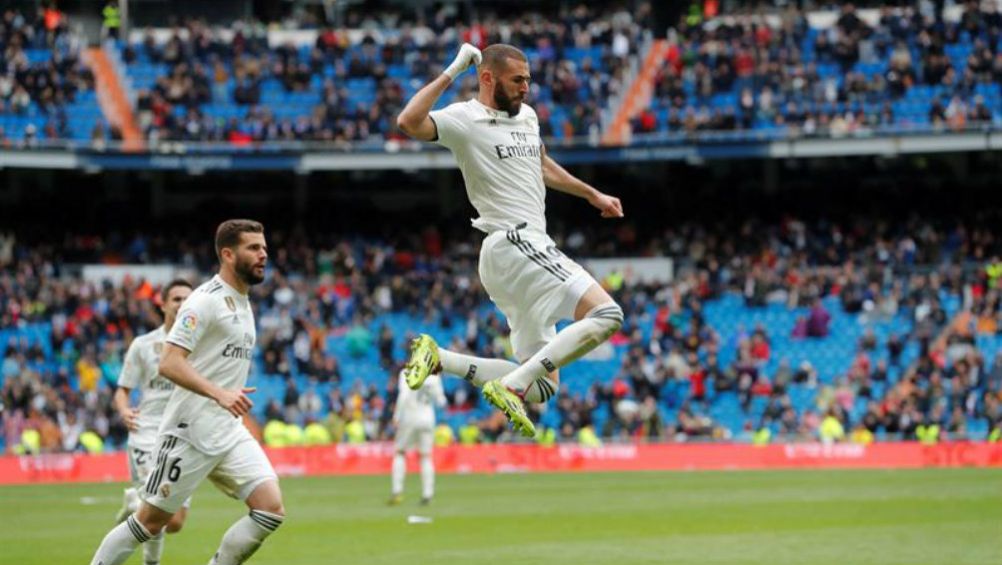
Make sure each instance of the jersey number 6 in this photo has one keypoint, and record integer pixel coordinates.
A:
(175, 471)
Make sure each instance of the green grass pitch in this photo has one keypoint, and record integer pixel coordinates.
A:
(936, 516)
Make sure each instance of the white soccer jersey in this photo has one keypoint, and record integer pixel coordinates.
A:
(501, 161)
(140, 371)
(216, 325)
(416, 408)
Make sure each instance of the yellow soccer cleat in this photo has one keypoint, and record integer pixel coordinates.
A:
(512, 406)
(395, 500)
(423, 361)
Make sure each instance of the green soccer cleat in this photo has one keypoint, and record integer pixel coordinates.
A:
(512, 406)
(423, 361)
(395, 500)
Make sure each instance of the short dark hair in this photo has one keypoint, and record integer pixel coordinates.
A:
(494, 55)
(165, 292)
(228, 233)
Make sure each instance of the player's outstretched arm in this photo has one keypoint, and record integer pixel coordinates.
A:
(175, 366)
(413, 119)
(557, 178)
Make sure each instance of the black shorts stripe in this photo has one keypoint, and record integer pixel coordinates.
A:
(543, 259)
(546, 265)
(518, 245)
(151, 482)
(531, 250)
(538, 257)
(154, 481)
(547, 258)
(162, 461)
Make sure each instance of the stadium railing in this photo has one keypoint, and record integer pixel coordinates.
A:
(303, 156)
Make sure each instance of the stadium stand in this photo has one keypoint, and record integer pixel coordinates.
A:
(199, 83)
(788, 73)
(46, 89)
(763, 332)
(780, 74)
(786, 328)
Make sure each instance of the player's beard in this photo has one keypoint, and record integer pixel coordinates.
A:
(245, 270)
(506, 103)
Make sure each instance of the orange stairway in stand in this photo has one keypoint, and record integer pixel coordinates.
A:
(638, 95)
(114, 102)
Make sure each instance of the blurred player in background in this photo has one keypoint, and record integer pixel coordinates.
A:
(208, 354)
(141, 371)
(495, 139)
(414, 418)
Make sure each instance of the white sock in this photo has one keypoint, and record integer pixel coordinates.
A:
(477, 370)
(574, 341)
(245, 536)
(399, 471)
(154, 549)
(118, 545)
(541, 390)
(427, 476)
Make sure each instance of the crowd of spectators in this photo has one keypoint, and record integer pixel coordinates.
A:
(671, 360)
(39, 87)
(744, 71)
(233, 66)
(774, 71)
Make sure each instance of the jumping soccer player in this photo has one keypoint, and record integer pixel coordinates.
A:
(495, 140)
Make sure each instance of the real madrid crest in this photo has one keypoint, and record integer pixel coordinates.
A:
(230, 303)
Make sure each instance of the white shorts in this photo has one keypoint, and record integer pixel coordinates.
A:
(533, 284)
(181, 468)
(411, 437)
(141, 465)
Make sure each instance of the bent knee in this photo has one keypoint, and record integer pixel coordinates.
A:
(177, 521)
(153, 518)
(276, 508)
(174, 526)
